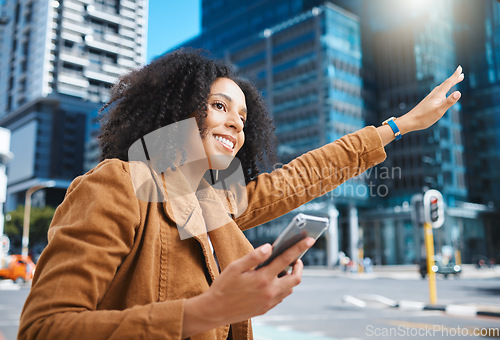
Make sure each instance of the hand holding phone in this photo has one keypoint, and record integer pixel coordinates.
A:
(300, 227)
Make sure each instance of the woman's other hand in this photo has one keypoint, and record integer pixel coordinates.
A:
(241, 292)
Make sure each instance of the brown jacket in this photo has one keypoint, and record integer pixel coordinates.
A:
(116, 268)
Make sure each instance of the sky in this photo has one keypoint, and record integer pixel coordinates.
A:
(170, 23)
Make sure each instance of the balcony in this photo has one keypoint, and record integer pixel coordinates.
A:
(71, 90)
(74, 59)
(100, 76)
(116, 39)
(128, 33)
(106, 16)
(71, 37)
(77, 7)
(128, 4)
(91, 42)
(127, 63)
(66, 25)
(112, 69)
(75, 79)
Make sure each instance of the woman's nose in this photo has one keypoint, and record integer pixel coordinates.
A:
(234, 121)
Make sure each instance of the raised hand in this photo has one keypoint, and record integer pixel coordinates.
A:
(433, 106)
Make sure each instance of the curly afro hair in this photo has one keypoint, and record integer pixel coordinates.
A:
(171, 89)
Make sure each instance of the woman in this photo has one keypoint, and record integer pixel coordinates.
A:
(117, 266)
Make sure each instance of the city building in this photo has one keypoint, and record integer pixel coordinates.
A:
(48, 138)
(77, 48)
(58, 60)
(413, 46)
(479, 47)
(478, 40)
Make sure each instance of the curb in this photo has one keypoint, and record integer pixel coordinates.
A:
(456, 310)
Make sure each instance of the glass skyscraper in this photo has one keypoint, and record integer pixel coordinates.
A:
(478, 40)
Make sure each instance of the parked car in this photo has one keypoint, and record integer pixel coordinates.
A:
(18, 268)
(439, 268)
(447, 269)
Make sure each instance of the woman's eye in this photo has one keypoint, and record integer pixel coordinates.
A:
(244, 121)
(219, 106)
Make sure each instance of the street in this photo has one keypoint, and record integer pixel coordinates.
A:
(316, 310)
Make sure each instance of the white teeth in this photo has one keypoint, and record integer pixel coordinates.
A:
(226, 142)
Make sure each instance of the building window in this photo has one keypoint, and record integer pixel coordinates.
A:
(460, 180)
(459, 161)
(458, 138)
(108, 5)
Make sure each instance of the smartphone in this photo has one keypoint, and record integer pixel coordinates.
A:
(299, 228)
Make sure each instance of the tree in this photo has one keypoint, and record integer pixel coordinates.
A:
(40, 219)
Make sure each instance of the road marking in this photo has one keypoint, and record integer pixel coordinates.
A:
(461, 310)
(411, 305)
(354, 301)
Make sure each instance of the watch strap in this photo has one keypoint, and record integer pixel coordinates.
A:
(394, 127)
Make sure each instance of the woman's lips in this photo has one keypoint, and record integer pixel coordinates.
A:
(223, 145)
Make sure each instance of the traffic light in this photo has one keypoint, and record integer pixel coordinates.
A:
(434, 208)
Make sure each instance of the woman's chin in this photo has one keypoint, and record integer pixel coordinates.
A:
(220, 162)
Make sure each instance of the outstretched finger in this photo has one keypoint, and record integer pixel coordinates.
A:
(454, 79)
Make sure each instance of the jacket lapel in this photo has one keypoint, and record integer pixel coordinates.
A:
(218, 207)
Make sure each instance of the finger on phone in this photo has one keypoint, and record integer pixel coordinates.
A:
(252, 259)
(296, 273)
(289, 256)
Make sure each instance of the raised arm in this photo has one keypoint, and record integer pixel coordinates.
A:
(319, 171)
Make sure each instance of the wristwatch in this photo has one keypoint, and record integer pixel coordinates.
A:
(394, 127)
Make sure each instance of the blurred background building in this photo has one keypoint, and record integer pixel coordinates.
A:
(58, 60)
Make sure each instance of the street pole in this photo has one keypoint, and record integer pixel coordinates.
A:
(429, 246)
(27, 209)
(434, 218)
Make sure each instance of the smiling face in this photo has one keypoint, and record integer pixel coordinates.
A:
(226, 116)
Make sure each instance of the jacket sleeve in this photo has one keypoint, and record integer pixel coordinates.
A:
(91, 233)
(311, 175)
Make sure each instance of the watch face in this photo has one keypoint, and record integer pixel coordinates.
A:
(387, 120)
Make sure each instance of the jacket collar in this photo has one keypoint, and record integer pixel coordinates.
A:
(180, 202)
